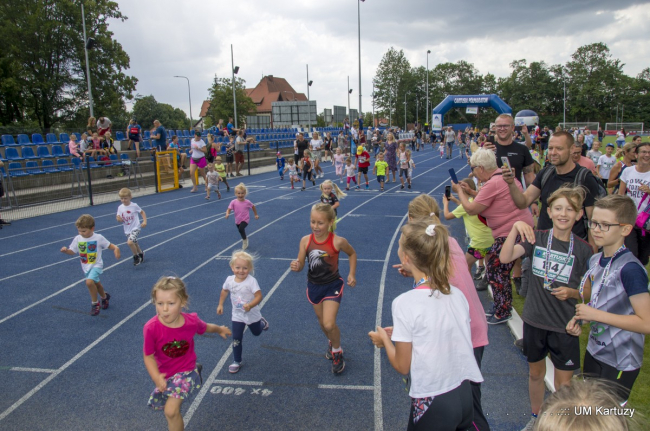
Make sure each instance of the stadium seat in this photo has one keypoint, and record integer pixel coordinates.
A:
(48, 167)
(64, 138)
(43, 153)
(76, 162)
(146, 145)
(51, 138)
(78, 135)
(57, 151)
(119, 136)
(147, 134)
(12, 154)
(187, 134)
(92, 162)
(115, 161)
(23, 140)
(8, 140)
(32, 168)
(16, 170)
(37, 139)
(63, 165)
(125, 157)
(180, 134)
(186, 143)
(28, 153)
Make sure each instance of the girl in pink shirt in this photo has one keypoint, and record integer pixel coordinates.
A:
(241, 206)
(169, 349)
(73, 147)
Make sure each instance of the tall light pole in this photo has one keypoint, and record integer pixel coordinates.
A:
(428, 52)
(405, 111)
(308, 103)
(373, 105)
(90, 93)
(189, 94)
(235, 70)
(564, 80)
(359, 29)
(349, 92)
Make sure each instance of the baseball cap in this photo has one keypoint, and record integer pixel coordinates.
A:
(197, 132)
(359, 150)
(610, 145)
(278, 153)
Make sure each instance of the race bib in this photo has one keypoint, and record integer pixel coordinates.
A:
(555, 264)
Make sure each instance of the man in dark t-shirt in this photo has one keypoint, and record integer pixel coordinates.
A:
(517, 153)
(159, 136)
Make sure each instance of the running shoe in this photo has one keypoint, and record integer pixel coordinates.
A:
(480, 272)
(265, 324)
(490, 311)
(94, 309)
(141, 255)
(234, 367)
(104, 301)
(136, 260)
(338, 364)
(367, 187)
(244, 245)
(494, 320)
(409, 186)
(402, 186)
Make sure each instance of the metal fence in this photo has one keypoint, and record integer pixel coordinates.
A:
(49, 188)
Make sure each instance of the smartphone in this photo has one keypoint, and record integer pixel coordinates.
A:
(505, 162)
(448, 192)
(452, 174)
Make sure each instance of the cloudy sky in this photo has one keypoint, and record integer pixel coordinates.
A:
(192, 38)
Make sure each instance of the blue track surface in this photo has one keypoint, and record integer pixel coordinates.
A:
(70, 371)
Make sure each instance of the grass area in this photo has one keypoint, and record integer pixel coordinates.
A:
(640, 396)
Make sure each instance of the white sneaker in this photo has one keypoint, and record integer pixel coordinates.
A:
(244, 244)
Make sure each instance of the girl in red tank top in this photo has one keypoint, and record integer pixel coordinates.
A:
(324, 284)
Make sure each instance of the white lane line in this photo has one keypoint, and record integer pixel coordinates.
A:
(217, 369)
(32, 370)
(237, 382)
(32, 392)
(348, 387)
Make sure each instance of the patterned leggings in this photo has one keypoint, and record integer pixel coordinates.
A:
(498, 275)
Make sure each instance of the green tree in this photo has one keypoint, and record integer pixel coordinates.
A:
(43, 54)
(147, 109)
(391, 80)
(221, 101)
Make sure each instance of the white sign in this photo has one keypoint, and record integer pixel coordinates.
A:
(436, 121)
(472, 110)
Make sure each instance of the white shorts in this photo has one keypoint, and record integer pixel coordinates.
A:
(133, 236)
(213, 187)
(315, 155)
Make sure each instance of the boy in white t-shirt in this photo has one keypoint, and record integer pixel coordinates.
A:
(89, 245)
(127, 214)
(605, 163)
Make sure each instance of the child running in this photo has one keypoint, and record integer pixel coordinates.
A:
(380, 170)
(324, 284)
(331, 194)
(307, 169)
(411, 165)
(127, 214)
(89, 245)
(241, 206)
(221, 169)
(350, 173)
(279, 164)
(245, 296)
(292, 170)
(559, 259)
(338, 161)
(168, 349)
(618, 309)
(431, 333)
(363, 158)
(480, 236)
(213, 178)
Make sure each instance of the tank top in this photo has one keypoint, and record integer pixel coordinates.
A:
(613, 346)
(323, 260)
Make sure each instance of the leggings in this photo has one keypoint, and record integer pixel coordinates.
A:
(498, 275)
(242, 229)
(238, 335)
(353, 179)
(448, 411)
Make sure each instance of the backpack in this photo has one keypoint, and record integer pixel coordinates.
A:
(579, 180)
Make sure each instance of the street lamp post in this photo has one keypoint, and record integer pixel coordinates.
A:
(373, 105)
(428, 52)
(90, 93)
(235, 70)
(405, 111)
(308, 102)
(359, 30)
(189, 94)
(349, 92)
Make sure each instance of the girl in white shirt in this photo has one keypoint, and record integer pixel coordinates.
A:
(431, 333)
(316, 144)
(197, 160)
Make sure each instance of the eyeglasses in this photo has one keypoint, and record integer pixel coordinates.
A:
(503, 126)
(603, 227)
(473, 167)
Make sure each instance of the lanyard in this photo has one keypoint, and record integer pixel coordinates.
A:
(595, 293)
(549, 243)
(420, 283)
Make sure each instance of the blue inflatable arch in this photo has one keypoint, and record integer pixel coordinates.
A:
(481, 100)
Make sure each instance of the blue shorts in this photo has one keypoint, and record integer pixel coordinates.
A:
(93, 274)
(381, 178)
(317, 293)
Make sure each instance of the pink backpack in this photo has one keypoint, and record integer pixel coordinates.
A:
(643, 216)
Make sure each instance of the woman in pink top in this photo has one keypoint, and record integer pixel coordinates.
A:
(426, 207)
(241, 206)
(494, 204)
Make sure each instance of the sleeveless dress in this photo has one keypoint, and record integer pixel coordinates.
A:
(390, 156)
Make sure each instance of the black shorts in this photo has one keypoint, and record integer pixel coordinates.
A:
(564, 348)
(317, 293)
(363, 170)
(230, 158)
(624, 379)
(405, 172)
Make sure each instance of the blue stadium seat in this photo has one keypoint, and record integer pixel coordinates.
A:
(64, 138)
(37, 139)
(185, 143)
(63, 165)
(43, 152)
(28, 153)
(147, 134)
(57, 151)
(32, 168)
(48, 167)
(76, 163)
(51, 138)
(180, 134)
(8, 140)
(23, 140)
(12, 154)
(114, 160)
(146, 145)
(187, 134)
(125, 157)
(78, 135)
(16, 170)
(119, 136)
(93, 163)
